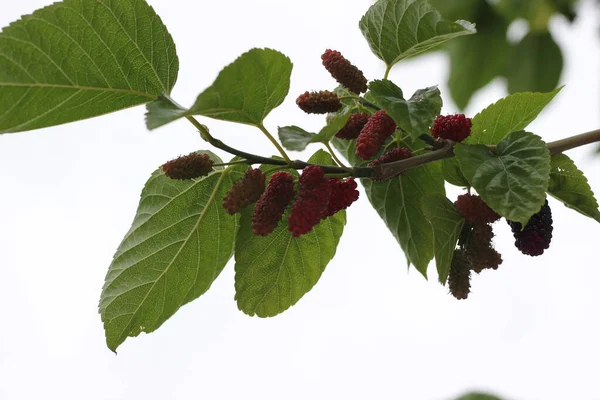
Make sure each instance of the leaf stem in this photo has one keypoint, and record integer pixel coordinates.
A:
(388, 68)
(336, 159)
(275, 143)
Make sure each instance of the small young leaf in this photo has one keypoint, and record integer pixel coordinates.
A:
(247, 89)
(273, 272)
(79, 59)
(510, 114)
(569, 185)
(397, 29)
(414, 116)
(447, 224)
(536, 65)
(295, 138)
(334, 124)
(180, 240)
(513, 182)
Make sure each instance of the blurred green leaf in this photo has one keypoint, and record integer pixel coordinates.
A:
(512, 181)
(536, 64)
(295, 138)
(478, 396)
(80, 59)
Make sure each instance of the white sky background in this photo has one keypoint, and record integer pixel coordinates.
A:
(369, 328)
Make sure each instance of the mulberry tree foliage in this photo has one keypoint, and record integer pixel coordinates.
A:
(277, 219)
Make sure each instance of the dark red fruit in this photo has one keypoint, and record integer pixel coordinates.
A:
(474, 210)
(311, 202)
(343, 194)
(188, 167)
(245, 191)
(272, 203)
(344, 72)
(353, 127)
(322, 102)
(459, 277)
(455, 127)
(378, 128)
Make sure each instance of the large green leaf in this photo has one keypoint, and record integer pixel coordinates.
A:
(247, 89)
(476, 60)
(447, 224)
(273, 272)
(180, 240)
(79, 59)
(398, 202)
(569, 185)
(510, 114)
(536, 65)
(415, 115)
(514, 180)
(397, 29)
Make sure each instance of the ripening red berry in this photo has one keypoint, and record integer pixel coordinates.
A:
(396, 154)
(353, 127)
(343, 194)
(459, 277)
(378, 128)
(537, 235)
(479, 249)
(455, 127)
(311, 203)
(188, 167)
(272, 203)
(474, 210)
(322, 102)
(245, 191)
(344, 72)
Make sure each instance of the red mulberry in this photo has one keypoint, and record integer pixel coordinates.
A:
(311, 203)
(459, 277)
(453, 127)
(272, 203)
(188, 167)
(245, 191)
(475, 210)
(322, 102)
(344, 72)
(397, 154)
(343, 194)
(353, 127)
(372, 136)
(537, 235)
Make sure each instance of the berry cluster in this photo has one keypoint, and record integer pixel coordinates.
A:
(192, 166)
(476, 251)
(318, 197)
(537, 234)
(452, 127)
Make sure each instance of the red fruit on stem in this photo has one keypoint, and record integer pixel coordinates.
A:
(344, 72)
(455, 127)
(272, 203)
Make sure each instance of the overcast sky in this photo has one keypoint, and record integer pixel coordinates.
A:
(369, 328)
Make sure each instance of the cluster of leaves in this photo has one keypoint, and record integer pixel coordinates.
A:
(534, 63)
(118, 54)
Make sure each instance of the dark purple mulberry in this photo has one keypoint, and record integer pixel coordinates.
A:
(272, 203)
(455, 127)
(353, 127)
(245, 191)
(322, 102)
(188, 167)
(372, 136)
(537, 235)
(344, 72)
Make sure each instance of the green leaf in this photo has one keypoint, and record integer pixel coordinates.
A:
(569, 185)
(513, 182)
(247, 89)
(415, 115)
(180, 240)
(536, 65)
(397, 29)
(295, 138)
(334, 124)
(79, 59)
(478, 396)
(453, 174)
(273, 272)
(163, 111)
(447, 225)
(468, 71)
(510, 114)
